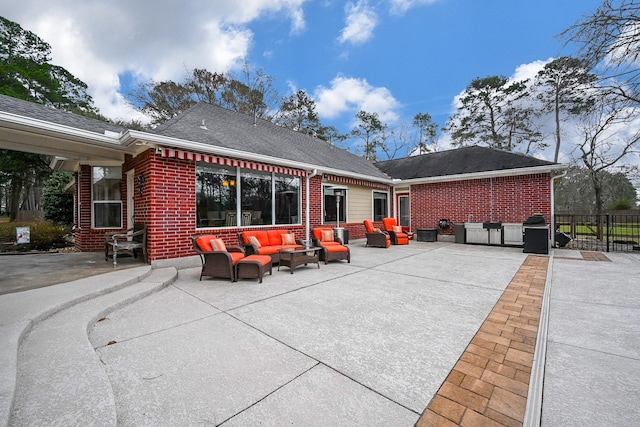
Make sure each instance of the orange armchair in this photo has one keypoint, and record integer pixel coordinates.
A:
(398, 237)
(375, 236)
(218, 260)
(332, 247)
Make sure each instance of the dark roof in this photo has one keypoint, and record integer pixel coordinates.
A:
(210, 124)
(458, 161)
(53, 115)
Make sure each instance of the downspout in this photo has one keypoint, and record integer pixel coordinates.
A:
(553, 207)
(306, 198)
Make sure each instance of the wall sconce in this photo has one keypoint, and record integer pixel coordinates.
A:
(226, 183)
(141, 183)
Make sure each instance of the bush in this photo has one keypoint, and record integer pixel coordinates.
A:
(621, 205)
(44, 235)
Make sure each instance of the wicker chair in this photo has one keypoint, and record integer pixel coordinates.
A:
(217, 263)
(332, 249)
(397, 236)
(375, 236)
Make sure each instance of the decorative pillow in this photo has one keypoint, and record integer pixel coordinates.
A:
(288, 239)
(377, 230)
(218, 245)
(396, 229)
(326, 236)
(254, 241)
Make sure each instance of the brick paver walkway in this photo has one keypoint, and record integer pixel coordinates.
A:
(488, 386)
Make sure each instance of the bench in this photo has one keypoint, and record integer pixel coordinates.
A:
(133, 240)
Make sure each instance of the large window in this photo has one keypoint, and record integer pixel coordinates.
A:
(231, 197)
(105, 196)
(380, 205)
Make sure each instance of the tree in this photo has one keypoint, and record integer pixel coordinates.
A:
(610, 38)
(575, 193)
(56, 202)
(22, 172)
(489, 115)
(163, 100)
(298, 112)
(564, 84)
(428, 132)
(372, 132)
(252, 94)
(607, 139)
(26, 73)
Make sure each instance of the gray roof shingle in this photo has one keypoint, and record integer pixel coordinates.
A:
(53, 115)
(459, 161)
(220, 127)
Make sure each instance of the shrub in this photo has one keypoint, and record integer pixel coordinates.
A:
(44, 235)
(621, 205)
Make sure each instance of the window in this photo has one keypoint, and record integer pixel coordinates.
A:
(232, 197)
(331, 205)
(287, 199)
(380, 205)
(105, 196)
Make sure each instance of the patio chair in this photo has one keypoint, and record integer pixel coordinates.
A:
(218, 260)
(398, 237)
(375, 236)
(332, 247)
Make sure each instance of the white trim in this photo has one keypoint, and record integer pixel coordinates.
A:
(483, 175)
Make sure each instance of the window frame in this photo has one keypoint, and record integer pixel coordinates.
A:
(95, 202)
(373, 204)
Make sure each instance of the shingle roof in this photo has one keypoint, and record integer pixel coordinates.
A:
(459, 161)
(220, 127)
(53, 115)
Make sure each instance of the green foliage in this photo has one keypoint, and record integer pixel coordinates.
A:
(58, 203)
(620, 205)
(372, 132)
(44, 235)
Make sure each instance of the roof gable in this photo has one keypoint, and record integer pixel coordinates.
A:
(465, 160)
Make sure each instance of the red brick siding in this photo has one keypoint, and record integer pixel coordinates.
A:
(506, 199)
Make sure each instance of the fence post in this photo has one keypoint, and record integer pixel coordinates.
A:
(608, 232)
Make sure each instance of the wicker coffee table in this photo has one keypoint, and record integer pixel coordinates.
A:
(294, 258)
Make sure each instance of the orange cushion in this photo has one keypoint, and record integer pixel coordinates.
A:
(236, 256)
(331, 243)
(262, 259)
(204, 243)
(388, 223)
(274, 237)
(336, 248)
(368, 226)
(262, 236)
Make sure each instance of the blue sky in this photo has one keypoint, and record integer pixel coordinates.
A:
(393, 57)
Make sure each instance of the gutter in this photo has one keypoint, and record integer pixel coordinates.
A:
(483, 175)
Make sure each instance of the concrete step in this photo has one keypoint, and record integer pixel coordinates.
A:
(60, 379)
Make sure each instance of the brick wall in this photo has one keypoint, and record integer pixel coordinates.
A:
(506, 199)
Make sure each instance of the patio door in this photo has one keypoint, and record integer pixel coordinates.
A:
(403, 210)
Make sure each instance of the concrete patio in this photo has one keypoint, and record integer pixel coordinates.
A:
(373, 342)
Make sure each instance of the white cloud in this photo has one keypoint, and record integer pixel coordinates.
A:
(352, 95)
(361, 21)
(98, 41)
(400, 7)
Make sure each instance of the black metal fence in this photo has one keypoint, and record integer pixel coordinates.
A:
(609, 233)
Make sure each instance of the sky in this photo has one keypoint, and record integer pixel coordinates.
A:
(396, 58)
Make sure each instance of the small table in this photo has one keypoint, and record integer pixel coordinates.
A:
(298, 256)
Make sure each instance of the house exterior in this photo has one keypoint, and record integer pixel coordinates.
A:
(212, 170)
